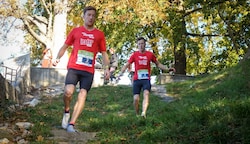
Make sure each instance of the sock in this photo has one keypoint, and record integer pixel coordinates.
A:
(72, 123)
(66, 111)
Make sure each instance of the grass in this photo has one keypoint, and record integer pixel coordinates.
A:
(212, 109)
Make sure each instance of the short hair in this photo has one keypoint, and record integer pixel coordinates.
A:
(141, 38)
(88, 8)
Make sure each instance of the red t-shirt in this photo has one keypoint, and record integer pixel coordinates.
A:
(86, 44)
(142, 64)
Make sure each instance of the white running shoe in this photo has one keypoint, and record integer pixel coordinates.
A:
(143, 114)
(71, 129)
(65, 120)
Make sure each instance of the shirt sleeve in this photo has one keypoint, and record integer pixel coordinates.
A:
(102, 44)
(154, 59)
(131, 59)
(70, 38)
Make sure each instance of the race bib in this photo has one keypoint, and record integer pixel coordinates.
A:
(85, 58)
(143, 74)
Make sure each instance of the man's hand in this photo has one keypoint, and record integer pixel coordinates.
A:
(119, 76)
(55, 62)
(106, 74)
(171, 69)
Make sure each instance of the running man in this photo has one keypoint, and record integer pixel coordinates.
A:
(142, 60)
(87, 41)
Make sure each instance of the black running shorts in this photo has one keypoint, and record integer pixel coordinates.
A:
(84, 78)
(141, 84)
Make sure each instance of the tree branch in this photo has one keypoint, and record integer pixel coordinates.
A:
(45, 6)
(41, 19)
(41, 26)
(204, 35)
(40, 38)
(191, 11)
(188, 12)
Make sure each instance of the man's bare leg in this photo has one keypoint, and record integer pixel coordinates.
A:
(68, 92)
(79, 105)
(145, 103)
(136, 103)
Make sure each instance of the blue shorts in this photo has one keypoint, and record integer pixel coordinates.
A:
(85, 78)
(141, 84)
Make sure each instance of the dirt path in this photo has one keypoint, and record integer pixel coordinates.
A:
(60, 135)
(63, 137)
(160, 91)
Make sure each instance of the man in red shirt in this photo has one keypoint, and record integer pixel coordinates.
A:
(87, 41)
(142, 60)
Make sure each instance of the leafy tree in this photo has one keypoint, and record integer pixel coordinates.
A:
(190, 31)
(209, 33)
(44, 20)
(197, 36)
(124, 21)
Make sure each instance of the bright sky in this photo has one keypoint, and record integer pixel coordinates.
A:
(11, 38)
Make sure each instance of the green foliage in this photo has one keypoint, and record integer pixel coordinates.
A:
(36, 50)
(201, 33)
(219, 101)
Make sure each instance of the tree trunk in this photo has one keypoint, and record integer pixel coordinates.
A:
(246, 56)
(180, 61)
(59, 32)
(180, 41)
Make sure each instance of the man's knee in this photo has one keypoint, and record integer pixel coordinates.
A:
(83, 93)
(136, 97)
(69, 90)
(146, 92)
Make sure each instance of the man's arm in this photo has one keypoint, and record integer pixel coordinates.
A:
(105, 59)
(60, 54)
(163, 67)
(106, 62)
(127, 65)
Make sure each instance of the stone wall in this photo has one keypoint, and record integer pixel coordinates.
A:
(168, 78)
(46, 77)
